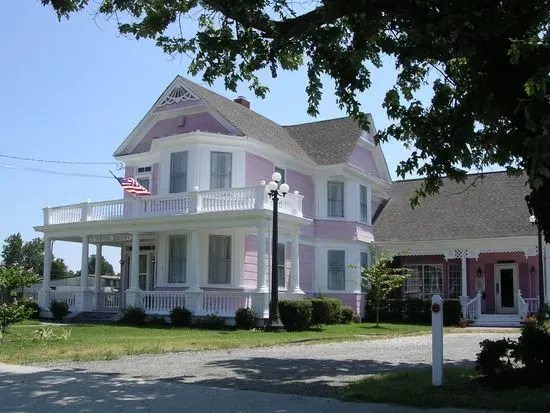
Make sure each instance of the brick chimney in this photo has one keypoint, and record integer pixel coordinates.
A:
(241, 100)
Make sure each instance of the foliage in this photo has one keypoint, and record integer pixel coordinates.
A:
(295, 314)
(180, 317)
(106, 266)
(212, 322)
(133, 315)
(415, 311)
(14, 277)
(34, 308)
(11, 313)
(155, 320)
(495, 358)
(452, 312)
(12, 250)
(533, 350)
(487, 65)
(346, 314)
(59, 309)
(381, 279)
(52, 334)
(325, 311)
(245, 318)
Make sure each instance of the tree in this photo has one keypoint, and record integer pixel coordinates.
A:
(380, 279)
(12, 251)
(106, 267)
(33, 255)
(487, 63)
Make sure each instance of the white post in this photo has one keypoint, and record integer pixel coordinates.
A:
(43, 295)
(260, 264)
(194, 279)
(464, 275)
(295, 270)
(84, 263)
(437, 341)
(134, 263)
(98, 266)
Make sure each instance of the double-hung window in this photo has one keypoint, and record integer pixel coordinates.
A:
(363, 204)
(336, 270)
(219, 259)
(281, 273)
(177, 262)
(425, 281)
(143, 177)
(220, 170)
(335, 198)
(178, 172)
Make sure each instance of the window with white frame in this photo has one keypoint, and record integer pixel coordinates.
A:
(219, 259)
(363, 204)
(178, 172)
(335, 199)
(281, 273)
(454, 272)
(177, 260)
(425, 281)
(336, 269)
(220, 170)
(143, 176)
(282, 172)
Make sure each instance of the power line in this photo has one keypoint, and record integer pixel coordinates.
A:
(21, 158)
(48, 171)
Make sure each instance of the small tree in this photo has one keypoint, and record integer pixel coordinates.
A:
(380, 279)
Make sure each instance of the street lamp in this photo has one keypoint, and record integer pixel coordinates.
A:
(533, 220)
(275, 191)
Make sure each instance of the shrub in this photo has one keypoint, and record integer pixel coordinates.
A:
(533, 351)
(452, 312)
(346, 314)
(295, 314)
(212, 322)
(12, 313)
(155, 320)
(133, 315)
(59, 309)
(325, 311)
(495, 358)
(245, 319)
(34, 308)
(180, 317)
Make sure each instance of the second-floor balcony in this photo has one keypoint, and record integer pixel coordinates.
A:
(196, 202)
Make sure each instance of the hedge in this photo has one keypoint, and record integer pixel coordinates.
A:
(295, 314)
(415, 311)
(325, 311)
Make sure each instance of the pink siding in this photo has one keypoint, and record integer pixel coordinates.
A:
(257, 169)
(343, 230)
(204, 122)
(155, 179)
(363, 159)
(304, 184)
(250, 261)
(353, 300)
(307, 268)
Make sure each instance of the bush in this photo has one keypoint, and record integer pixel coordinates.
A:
(133, 315)
(12, 313)
(34, 308)
(155, 320)
(325, 311)
(533, 350)
(495, 357)
(180, 317)
(59, 309)
(452, 312)
(212, 322)
(295, 314)
(346, 314)
(245, 319)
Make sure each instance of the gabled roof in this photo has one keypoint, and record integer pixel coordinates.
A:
(494, 206)
(327, 142)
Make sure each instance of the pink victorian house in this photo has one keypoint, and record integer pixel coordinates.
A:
(202, 240)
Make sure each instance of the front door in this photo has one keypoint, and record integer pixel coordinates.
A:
(506, 287)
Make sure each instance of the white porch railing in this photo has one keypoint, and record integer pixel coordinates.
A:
(471, 310)
(108, 301)
(532, 304)
(235, 199)
(224, 304)
(161, 302)
(67, 296)
(523, 307)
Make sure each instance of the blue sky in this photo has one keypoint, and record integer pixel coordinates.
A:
(73, 90)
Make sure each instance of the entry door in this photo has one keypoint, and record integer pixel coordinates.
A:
(506, 288)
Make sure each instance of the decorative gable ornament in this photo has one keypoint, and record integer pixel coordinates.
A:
(177, 95)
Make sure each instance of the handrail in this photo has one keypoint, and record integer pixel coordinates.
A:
(472, 309)
(523, 307)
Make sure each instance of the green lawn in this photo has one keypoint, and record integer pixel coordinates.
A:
(107, 342)
(462, 389)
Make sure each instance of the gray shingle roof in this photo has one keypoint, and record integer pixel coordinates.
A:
(494, 207)
(327, 142)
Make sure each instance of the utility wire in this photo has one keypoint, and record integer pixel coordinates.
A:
(48, 171)
(58, 161)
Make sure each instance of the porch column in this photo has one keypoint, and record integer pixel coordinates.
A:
(98, 265)
(464, 275)
(260, 264)
(295, 269)
(84, 262)
(196, 270)
(43, 296)
(134, 263)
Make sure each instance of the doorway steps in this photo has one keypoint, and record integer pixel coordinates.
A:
(92, 317)
(498, 320)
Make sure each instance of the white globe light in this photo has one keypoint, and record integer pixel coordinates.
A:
(284, 188)
(262, 182)
(532, 219)
(276, 177)
(296, 192)
(272, 186)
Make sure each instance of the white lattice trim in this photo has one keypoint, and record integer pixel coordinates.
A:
(177, 95)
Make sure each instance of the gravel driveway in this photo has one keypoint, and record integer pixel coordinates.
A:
(300, 369)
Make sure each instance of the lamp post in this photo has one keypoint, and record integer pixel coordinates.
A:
(275, 191)
(533, 220)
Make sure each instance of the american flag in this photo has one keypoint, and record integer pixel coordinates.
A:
(132, 186)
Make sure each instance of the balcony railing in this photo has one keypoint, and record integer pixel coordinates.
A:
(237, 199)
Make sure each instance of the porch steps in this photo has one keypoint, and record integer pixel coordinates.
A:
(93, 317)
(498, 320)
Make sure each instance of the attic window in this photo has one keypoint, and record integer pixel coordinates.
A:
(177, 95)
(143, 169)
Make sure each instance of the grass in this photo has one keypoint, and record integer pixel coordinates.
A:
(108, 342)
(463, 388)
